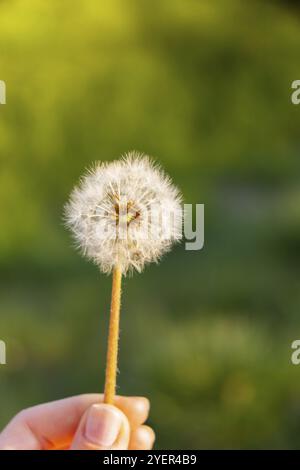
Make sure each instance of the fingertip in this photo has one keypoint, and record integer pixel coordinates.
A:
(141, 406)
(142, 438)
(103, 424)
(135, 408)
(102, 427)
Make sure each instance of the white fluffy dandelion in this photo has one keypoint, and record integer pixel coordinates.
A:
(123, 215)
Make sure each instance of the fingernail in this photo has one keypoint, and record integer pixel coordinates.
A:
(103, 425)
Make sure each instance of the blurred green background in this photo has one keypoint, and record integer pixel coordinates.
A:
(203, 86)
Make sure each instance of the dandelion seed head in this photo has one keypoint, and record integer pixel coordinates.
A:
(126, 213)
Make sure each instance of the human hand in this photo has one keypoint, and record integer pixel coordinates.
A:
(82, 422)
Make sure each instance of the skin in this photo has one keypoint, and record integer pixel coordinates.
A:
(82, 422)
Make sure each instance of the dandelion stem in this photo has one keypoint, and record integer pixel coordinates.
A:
(113, 338)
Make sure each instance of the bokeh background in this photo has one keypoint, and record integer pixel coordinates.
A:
(203, 86)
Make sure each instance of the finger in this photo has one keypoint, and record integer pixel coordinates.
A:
(142, 438)
(103, 427)
(135, 408)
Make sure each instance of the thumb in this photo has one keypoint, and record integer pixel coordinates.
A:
(102, 427)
